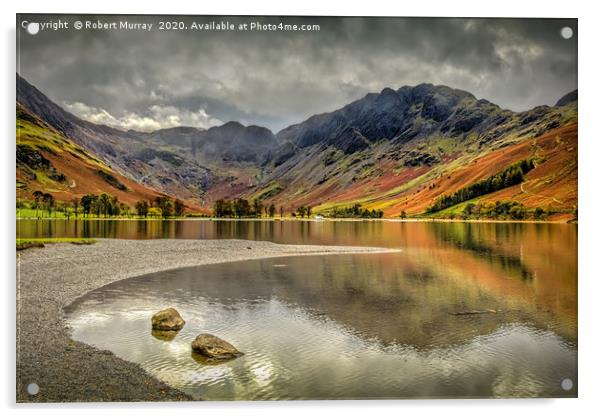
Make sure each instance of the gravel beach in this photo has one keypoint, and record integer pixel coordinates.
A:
(50, 278)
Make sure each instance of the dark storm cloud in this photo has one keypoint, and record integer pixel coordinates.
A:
(149, 80)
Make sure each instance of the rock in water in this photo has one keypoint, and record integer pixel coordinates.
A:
(168, 319)
(214, 348)
(164, 335)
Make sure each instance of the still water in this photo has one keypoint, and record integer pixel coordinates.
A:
(351, 326)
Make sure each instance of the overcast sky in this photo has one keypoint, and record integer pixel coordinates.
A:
(151, 80)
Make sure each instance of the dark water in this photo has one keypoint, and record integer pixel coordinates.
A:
(353, 326)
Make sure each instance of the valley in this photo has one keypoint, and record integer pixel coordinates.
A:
(396, 152)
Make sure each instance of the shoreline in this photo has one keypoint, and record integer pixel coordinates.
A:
(51, 278)
(350, 219)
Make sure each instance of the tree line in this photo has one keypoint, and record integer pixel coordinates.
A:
(505, 210)
(510, 176)
(160, 207)
(356, 211)
(302, 211)
(106, 205)
(241, 207)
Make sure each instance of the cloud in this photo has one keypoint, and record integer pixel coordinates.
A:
(158, 117)
(279, 78)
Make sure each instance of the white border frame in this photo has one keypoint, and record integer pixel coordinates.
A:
(590, 153)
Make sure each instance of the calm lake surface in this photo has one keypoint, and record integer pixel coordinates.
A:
(350, 326)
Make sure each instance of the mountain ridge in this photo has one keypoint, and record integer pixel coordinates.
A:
(382, 140)
(149, 157)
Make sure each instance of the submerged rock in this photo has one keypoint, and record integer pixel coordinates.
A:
(168, 319)
(164, 335)
(205, 360)
(214, 348)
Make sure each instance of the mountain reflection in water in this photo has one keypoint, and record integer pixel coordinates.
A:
(360, 326)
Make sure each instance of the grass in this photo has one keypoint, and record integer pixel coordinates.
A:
(23, 244)
(272, 189)
(28, 213)
(45, 139)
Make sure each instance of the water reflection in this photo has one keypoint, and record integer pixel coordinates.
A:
(350, 326)
(529, 260)
(516, 239)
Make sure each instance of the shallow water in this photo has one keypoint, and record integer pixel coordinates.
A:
(360, 326)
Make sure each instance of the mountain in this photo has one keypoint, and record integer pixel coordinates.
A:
(183, 161)
(567, 99)
(385, 149)
(128, 153)
(396, 115)
(230, 142)
(48, 161)
(395, 150)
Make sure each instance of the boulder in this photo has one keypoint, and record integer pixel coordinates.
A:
(168, 319)
(214, 348)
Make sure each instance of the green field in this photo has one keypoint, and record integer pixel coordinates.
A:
(40, 243)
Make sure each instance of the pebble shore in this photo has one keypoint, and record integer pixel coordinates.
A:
(51, 278)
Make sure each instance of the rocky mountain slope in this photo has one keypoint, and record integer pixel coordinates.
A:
(228, 143)
(392, 151)
(385, 149)
(50, 162)
(184, 161)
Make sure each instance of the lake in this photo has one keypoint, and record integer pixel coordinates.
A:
(389, 325)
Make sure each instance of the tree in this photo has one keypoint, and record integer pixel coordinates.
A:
(308, 211)
(37, 196)
(142, 207)
(257, 207)
(469, 209)
(272, 210)
(155, 212)
(539, 213)
(218, 208)
(165, 205)
(518, 212)
(281, 212)
(301, 210)
(223, 208)
(87, 201)
(124, 209)
(114, 207)
(179, 207)
(64, 207)
(104, 204)
(403, 214)
(75, 205)
(48, 201)
(241, 207)
(37, 200)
